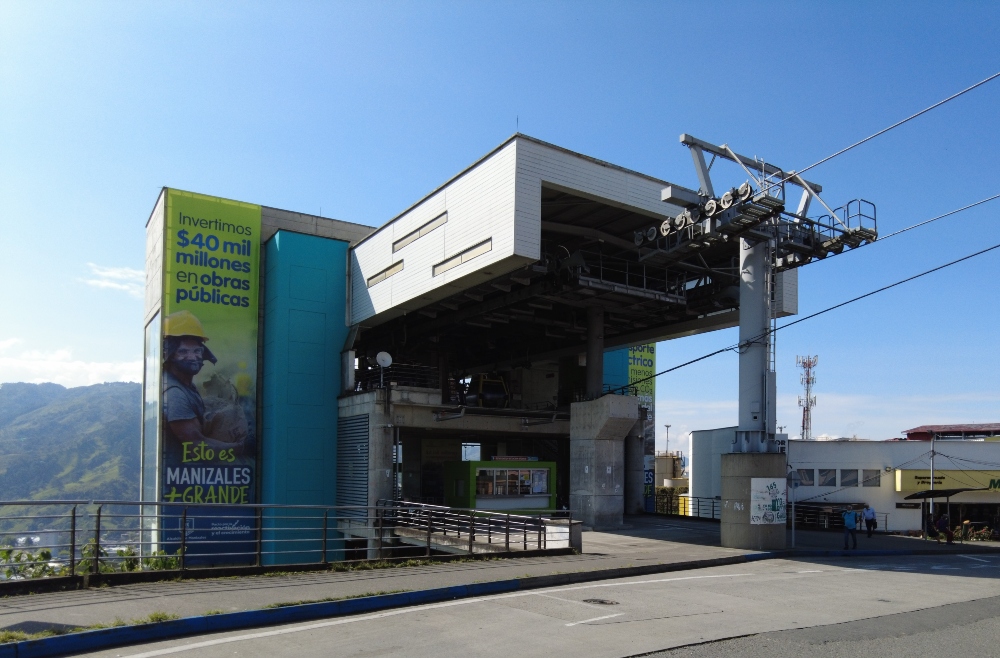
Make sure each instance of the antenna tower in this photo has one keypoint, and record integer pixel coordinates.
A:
(807, 363)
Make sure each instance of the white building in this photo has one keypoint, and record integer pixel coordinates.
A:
(879, 473)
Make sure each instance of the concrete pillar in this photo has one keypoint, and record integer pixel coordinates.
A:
(635, 473)
(597, 458)
(595, 351)
(737, 472)
(757, 389)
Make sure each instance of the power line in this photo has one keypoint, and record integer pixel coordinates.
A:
(746, 343)
(885, 130)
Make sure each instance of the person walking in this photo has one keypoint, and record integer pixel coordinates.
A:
(868, 515)
(850, 526)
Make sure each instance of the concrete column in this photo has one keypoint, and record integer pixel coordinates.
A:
(754, 366)
(597, 458)
(595, 351)
(635, 473)
(736, 529)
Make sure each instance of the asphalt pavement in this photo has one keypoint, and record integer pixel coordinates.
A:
(835, 606)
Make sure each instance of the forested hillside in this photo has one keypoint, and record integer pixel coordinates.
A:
(60, 443)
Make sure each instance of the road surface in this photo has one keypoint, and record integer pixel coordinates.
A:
(831, 607)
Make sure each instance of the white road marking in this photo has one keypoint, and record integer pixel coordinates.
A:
(587, 621)
(977, 559)
(810, 571)
(403, 611)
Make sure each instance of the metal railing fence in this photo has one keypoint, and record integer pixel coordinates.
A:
(75, 538)
(684, 505)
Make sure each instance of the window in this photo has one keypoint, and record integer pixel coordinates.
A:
(511, 482)
(827, 477)
(393, 269)
(440, 220)
(463, 256)
(807, 477)
(849, 477)
(871, 477)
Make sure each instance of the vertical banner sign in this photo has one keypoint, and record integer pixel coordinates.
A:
(767, 501)
(642, 365)
(209, 356)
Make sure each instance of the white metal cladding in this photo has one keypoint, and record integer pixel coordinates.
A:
(352, 461)
(154, 260)
(497, 199)
(479, 206)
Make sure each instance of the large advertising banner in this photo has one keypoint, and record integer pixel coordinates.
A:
(209, 355)
(642, 366)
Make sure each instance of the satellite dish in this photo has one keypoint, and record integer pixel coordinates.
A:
(383, 359)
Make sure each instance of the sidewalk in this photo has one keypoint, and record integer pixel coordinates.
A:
(651, 542)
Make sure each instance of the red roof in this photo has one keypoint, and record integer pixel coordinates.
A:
(980, 428)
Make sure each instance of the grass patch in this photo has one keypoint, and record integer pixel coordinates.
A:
(329, 599)
(151, 618)
(209, 613)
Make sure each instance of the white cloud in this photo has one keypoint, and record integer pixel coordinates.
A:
(125, 279)
(59, 366)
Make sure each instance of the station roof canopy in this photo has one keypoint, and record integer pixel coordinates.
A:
(941, 493)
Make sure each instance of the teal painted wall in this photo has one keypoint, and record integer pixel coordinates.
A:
(304, 332)
(616, 368)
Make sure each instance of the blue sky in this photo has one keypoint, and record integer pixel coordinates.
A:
(356, 110)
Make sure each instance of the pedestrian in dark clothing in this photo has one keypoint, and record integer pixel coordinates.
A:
(868, 515)
(850, 526)
(943, 529)
(932, 532)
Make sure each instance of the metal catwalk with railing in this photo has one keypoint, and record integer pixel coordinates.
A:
(75, 538)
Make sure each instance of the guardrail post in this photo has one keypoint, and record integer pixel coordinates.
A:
(472, 529)
(506, 540)
(326, 525)
(524, 529)
(539, 532)
(378, 529)
(72, 542)
(427, 520)
(184, 523)
(96, 568)
(260, 535)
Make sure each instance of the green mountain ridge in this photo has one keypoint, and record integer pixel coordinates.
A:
(69, 443)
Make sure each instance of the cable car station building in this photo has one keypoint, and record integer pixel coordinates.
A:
(500, 319)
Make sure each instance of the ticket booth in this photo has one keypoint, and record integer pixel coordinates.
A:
(501, 485)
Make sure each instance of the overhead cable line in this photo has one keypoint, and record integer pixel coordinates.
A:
(885, 130)
(761, 336)
(934, 219)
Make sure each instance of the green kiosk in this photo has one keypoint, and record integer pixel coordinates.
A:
(501, 485)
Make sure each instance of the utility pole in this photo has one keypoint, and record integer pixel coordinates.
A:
(668, 438)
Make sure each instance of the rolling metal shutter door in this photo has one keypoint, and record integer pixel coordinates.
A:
(352, 461)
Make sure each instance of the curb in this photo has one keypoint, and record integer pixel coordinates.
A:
(106, 638)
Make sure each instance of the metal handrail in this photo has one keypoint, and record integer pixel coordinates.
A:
(100, 536)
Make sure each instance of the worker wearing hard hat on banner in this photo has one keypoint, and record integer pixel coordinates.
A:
(184, 355)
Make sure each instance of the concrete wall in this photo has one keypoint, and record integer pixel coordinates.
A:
(737, 531)
(304, 330)
(597, 458)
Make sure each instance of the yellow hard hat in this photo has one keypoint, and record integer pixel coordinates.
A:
(183, 323)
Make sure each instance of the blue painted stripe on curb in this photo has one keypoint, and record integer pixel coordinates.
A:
(110, 637)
